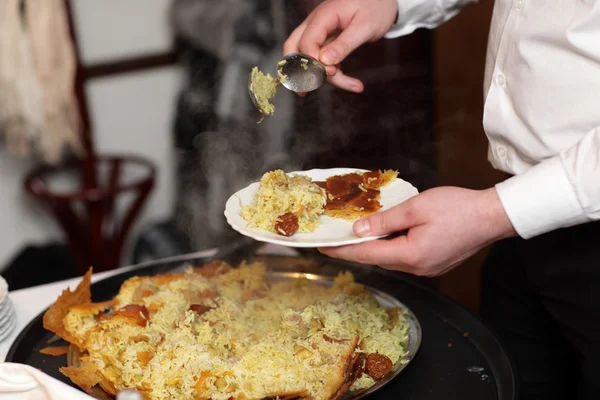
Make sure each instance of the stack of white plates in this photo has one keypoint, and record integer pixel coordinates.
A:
(7, 312)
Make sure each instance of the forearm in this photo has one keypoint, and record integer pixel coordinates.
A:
(414, 14)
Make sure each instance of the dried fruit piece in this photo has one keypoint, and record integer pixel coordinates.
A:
(378, 365)
(287, 224)
(145, 357)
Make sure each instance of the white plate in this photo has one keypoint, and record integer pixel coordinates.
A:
(8, 323)
(5, 305)
(6, 314)
(7, 329)
(3, 289)
(332, 232)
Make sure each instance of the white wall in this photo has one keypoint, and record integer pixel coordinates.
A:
(130, 113)
(22, 220)
(133, 113)
(114, 29)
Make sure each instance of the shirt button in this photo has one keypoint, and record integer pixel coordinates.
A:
(501, 80)
(501, 152)
(519, 5)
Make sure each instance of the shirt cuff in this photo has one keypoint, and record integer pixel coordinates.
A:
(414, 14)
(541, 199)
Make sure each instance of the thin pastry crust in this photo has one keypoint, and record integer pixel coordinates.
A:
(54, 317)
(92, 326)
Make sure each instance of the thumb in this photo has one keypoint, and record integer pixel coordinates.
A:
(395, 219)
(352, 37)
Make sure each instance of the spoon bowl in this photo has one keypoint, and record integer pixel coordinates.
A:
(296, 72)
(301, 73)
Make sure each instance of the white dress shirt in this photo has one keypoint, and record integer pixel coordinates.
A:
(542, 104)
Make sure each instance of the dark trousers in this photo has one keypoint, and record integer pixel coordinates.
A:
(542, 297)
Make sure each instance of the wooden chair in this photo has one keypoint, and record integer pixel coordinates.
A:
(93, 214)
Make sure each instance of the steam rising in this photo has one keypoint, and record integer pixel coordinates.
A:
(388, 127)
(326, 130)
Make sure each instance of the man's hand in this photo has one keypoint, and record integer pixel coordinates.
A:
(357, 21)
(445, 226)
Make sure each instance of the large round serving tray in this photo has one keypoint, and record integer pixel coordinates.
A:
(458, 356)
(384, 299)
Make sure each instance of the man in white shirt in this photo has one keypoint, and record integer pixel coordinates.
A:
(541, 281)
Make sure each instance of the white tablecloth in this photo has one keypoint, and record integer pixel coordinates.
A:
(31, 301)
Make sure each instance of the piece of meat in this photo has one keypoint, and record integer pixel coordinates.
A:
(145, 289)
(133, 313)
(139, 338)
(195, 297)
(248, 295)
(200, 308)
(333, 340)
(213, 268)
(297, 319)
(377, 366)
(287, 224)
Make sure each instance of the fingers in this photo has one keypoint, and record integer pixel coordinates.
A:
(346, 82)
(396, 252)
(352, 37)
(291, 44)
(331, 70)
(337, 78)
(395, 219)
(319, 26)
(335, 29)
(319, 36)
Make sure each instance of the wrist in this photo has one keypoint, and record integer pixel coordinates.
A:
(492, 211)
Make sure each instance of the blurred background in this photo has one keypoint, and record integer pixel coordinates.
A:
(167, 131)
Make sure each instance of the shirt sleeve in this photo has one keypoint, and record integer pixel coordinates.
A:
(557, 193)
(414, 14)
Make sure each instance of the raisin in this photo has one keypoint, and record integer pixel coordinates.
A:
(287, 224)
(378, 365)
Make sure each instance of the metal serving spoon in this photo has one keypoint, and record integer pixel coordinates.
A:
(302, 73)
(297, 72)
